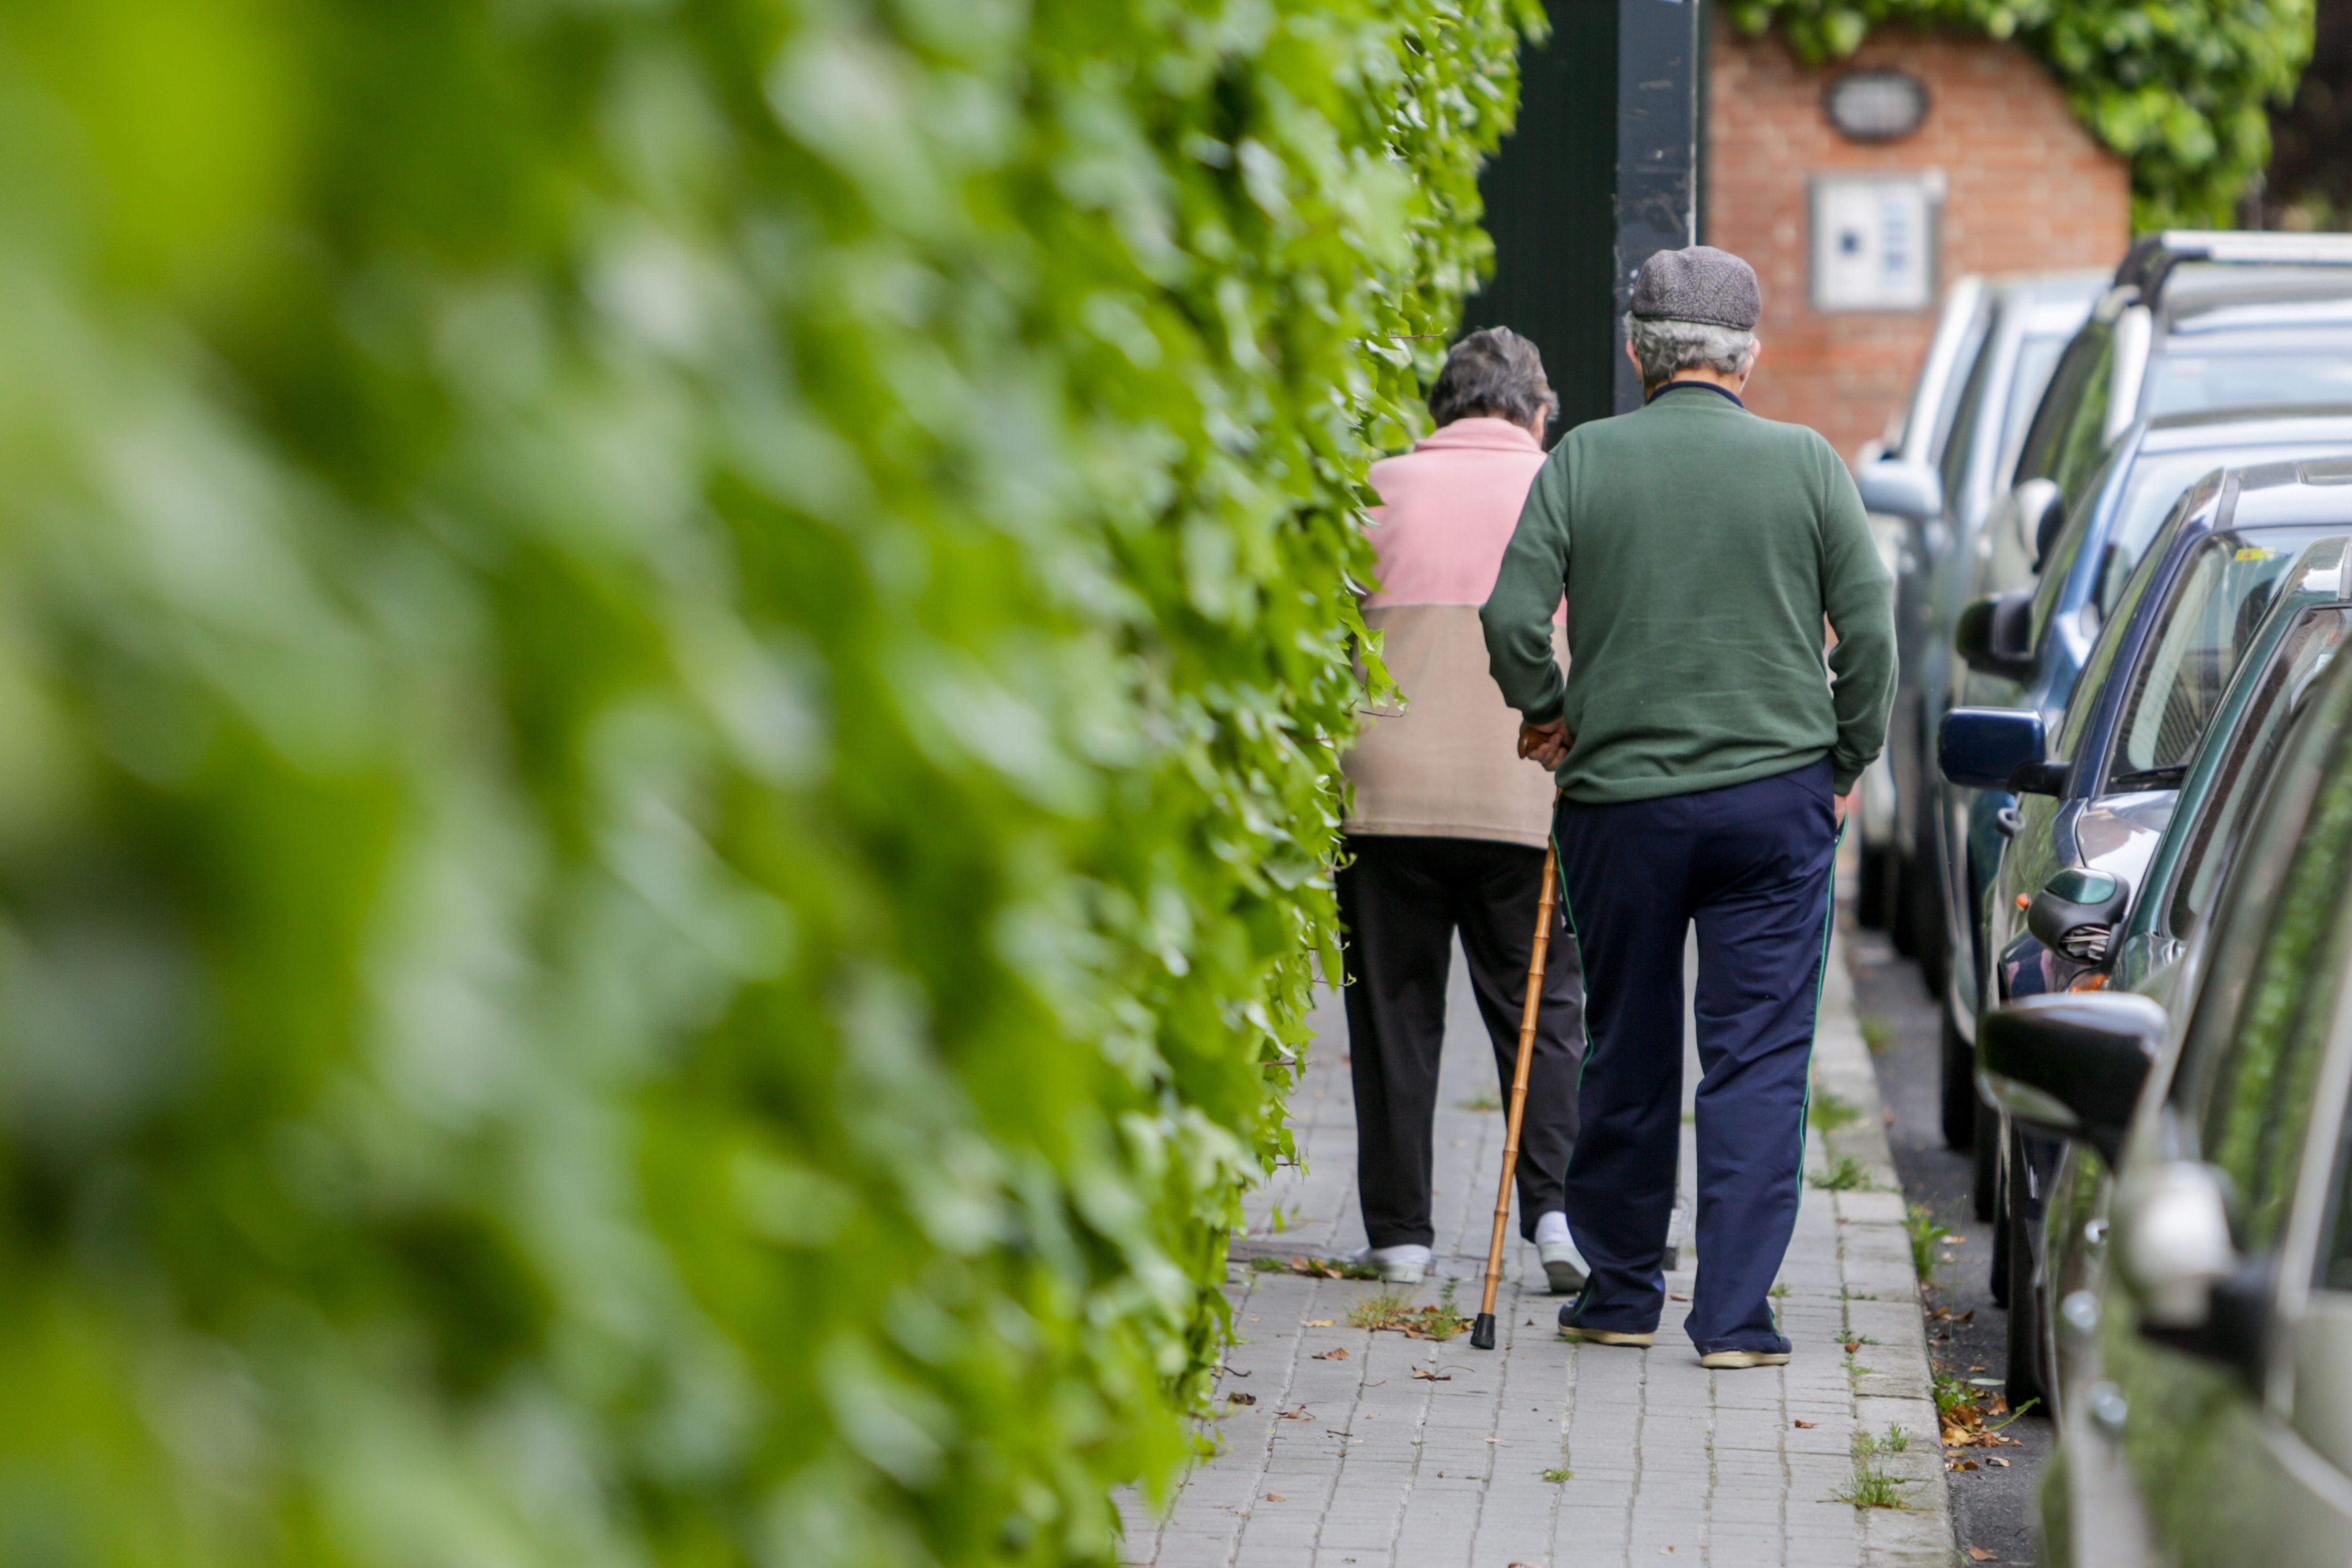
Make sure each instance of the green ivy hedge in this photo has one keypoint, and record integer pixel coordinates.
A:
(2180, 87)
(668, 685)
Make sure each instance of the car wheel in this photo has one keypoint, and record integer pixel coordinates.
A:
(1929, 932)
(1902, 904)
(1870, 903)
(2023, 1382)
(1959, 1087)
(1984, 1195)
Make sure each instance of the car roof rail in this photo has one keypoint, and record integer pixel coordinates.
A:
(2154, 256)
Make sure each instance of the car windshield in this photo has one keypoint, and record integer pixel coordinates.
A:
(2289, 373)
(2200, 633)
(2308, 647)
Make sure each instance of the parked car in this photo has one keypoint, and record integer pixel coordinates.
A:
(2195, 324)
(2033, 642)
(2214, 1425)
(1928, 492)
(2093, 797)
(2138, 878)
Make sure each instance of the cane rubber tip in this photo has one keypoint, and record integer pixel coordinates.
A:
(1482, 1332)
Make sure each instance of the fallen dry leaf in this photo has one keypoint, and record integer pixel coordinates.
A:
(1809, 1424)
(1426, 1375)
(1955, 1438)
(1979, 1554)
(1675, 1296)
(2002, 1463)
(1852, 1346)
(1337, 1353)
(1275, 1497)
(1243, 1398)
(1966, 1465)
(1319, 1322)
(1298, 1414)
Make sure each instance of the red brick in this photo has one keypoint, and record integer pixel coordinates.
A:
(2028, 189)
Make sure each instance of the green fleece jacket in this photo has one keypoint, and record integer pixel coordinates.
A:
(1701, 547)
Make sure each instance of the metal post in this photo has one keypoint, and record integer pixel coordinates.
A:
(1659, 45)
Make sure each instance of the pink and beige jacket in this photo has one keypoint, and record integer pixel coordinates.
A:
(1448, 765)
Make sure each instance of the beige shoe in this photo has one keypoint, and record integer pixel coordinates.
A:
(1733, 1361)
(1608, 1337)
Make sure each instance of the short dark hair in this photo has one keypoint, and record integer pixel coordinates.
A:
(1494, 373)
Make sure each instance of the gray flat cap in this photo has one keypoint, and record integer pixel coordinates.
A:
(1700, 284)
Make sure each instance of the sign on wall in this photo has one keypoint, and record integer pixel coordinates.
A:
(1874, 242)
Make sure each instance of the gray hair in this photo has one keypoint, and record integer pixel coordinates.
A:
(1664, 347)
(1494, 375)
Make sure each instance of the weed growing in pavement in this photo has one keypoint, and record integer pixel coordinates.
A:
(1828, 1112)
(1926, 1231)
(1387, 1310)
(1845, 1174)
(1278, 1219)
(1867, 1448)
(1481, 1101)
(1556, 1476)
(1316, 1267)
(1872, 1489)
(1877, 1034)
(1778, 1293)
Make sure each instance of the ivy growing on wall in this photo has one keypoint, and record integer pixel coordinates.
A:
(2180, 87)
(667, 689)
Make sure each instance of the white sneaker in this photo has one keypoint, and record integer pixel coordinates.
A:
(1406, 1264)
(1564, 1268)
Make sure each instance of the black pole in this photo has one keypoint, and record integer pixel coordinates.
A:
(1602, 170)
(1658, 49)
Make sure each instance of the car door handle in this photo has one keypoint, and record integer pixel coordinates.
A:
(2007, 821)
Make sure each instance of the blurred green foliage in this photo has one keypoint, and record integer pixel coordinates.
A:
(2180, 87)
(668, 677)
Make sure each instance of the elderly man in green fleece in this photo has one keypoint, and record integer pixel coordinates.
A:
(1704, 747)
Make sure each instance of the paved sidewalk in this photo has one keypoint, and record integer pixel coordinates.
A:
(1408, 1453)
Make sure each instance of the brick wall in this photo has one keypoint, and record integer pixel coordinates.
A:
(2027, 189)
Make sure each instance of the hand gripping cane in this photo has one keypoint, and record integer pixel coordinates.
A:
(1482, 1333)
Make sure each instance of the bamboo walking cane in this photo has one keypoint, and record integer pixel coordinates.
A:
(1482, 1332)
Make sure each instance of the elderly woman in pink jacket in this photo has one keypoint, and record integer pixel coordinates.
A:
(1448, 830)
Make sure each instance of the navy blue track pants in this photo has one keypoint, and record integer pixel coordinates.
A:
(1751, 864)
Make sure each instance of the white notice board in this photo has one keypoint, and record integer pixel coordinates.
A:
(1874, 242)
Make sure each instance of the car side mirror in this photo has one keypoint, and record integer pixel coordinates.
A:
(1996, 748)
(1900, 489)
(2196, 1293)
(1994, 636)
(2072, 1062)
(2076, 913)
(2047, 527)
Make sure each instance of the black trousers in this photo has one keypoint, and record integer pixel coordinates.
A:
(1401, 901)
(1750, 865)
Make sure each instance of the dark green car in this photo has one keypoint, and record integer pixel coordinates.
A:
(2212, 1424)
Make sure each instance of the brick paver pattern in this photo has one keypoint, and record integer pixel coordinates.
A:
(1381, 1451)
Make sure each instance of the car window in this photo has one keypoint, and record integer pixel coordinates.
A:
(2081, 373)
(2308, 647)
(2289, 373)
(2257, 1104)
(2051, 586)
(2200, 633)
(2252, 1048)
(2028, 380)
(2095, 669)
(1965, 423)
(2152, 492)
